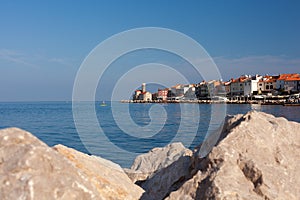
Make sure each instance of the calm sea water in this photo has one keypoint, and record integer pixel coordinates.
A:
(53, 123)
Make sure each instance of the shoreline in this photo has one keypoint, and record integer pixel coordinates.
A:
(259, 102)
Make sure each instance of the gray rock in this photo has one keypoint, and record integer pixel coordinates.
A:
(158, 158)
(167, 179)
(257, 158)
(29, 169)
(158, 171)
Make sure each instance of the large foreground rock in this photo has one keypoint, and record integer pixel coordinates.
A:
(29, 169)
(258, 158)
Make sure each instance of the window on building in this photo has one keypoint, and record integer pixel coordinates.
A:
(271, 86)
(267, 87)
(260, 84)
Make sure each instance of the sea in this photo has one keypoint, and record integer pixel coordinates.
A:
(121, 131)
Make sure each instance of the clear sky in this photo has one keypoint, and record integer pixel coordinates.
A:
(43, 43)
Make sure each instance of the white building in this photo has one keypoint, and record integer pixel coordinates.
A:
(267, 84)
(142, 95)
(145, 96)
(181, 91)
(251, 85)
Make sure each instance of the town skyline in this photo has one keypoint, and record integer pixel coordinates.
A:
(243, 86)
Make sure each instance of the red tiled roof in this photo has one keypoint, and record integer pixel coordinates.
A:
(240, 79)
(268, 80)
(144, 92)
(292, 79)
(285, 76)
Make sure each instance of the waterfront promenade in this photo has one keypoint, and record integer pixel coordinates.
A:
(274, 100)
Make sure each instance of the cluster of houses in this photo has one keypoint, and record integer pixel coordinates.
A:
(244, 86)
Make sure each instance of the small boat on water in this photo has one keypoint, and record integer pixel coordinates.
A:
(103, 103)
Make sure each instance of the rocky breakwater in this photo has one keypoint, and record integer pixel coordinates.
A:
(256, 157)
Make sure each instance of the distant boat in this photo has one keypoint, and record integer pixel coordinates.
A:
(103, 103)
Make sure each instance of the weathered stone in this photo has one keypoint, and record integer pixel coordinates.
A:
(258, 158)
(108, 177)
(158, 158)
(29, 169)
(167, 179)
(160, 169)
(188, 190)
(137, 176)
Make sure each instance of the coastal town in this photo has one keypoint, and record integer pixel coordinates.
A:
(275, 89)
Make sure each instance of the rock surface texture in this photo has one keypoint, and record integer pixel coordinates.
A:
(29, 169)
(145, 165)
(256, 157)
(159, 170)
(108, 177)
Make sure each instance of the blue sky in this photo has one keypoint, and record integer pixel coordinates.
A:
(43, 43)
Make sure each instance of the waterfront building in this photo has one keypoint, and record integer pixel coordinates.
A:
(201, 90)
(227, 87)
(162, 94)
(237, 86)
(145, 96)
(251, 85)
(142, 94)
(182, 92)
(292, 84)
(206, 90)
(280, 81)
(154, 96)
(136, 94)
(189, 92)
(216, 88)
(267, 84)
(287, 83)
(177, 91)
